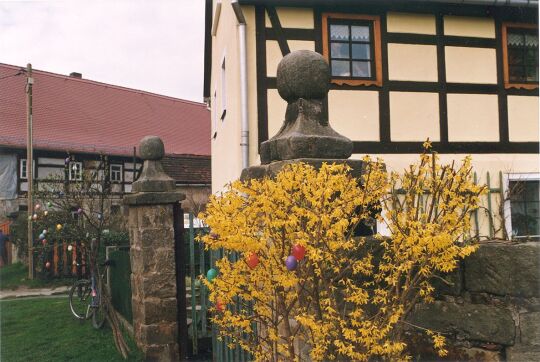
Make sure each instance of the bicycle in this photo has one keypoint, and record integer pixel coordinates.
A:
(87, 300)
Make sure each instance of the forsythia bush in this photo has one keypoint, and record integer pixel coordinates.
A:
(348, 297)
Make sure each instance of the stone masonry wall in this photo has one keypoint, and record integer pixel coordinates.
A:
(492, 310)
(153, 280)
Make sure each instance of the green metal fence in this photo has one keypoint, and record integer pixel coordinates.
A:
(119, 281)
(200, 326)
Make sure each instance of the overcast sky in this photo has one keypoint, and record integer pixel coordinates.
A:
(152, 45)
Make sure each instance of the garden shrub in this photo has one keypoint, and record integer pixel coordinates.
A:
(346, 299)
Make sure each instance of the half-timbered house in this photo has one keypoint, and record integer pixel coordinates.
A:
(463, 73)
(76, 120)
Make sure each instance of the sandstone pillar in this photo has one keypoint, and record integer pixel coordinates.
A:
(303, 79)
(151, 234)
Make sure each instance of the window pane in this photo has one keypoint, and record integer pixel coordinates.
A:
(361, 69)
(532, 74)
(340, 50)
(516, 73)
(531, 191)
(361, 51)
(340, 68)
(516, 39)
(360, 33)
(515, 56)
(339, 32)
(531, 41)
(532, 56)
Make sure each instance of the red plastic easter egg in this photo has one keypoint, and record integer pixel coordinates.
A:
(298, 251)
(219, 305)
(252, 260)
(47, 265)
(44, 241)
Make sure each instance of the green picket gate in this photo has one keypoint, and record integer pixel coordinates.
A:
(200, 330)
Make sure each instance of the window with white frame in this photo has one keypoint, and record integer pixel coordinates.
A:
(214, 115)
(23, 172)
(522, 204)
(116, 173)
(75, 171)
(223, 90)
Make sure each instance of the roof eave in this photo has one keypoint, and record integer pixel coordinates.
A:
(304, 3)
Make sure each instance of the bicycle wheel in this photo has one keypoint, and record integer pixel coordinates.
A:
(99, 315)
(80, 299)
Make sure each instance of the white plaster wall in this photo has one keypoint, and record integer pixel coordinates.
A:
(301, 18)
(355, 114)
(414, 116)
(412, 62)
(523, 118)
(473, 117)
(410, 23)
(470, 65)
(469, 26)
(273, 53)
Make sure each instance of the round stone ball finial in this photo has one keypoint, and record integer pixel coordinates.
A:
(151, 148)
(303, 74)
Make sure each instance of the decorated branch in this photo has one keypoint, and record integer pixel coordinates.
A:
(296, 284)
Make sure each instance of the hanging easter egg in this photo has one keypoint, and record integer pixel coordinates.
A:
(34, 217)
(219, 305)
(45, 213)
(70, 247)
(99, 216)
(291, 263)
(252, 260)
(58, 227)
(298, 251)
(211, 274)
(29, 217)
(61, 194)
(79, 211)
(41, 236)
(44, 232)
(49, 204)
(74, 168)
(66, 161)
(37, 207)
(44, 242)
(48, 265)
(74, 262)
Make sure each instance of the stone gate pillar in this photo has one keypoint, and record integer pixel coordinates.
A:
(303, 79)
(151, 234)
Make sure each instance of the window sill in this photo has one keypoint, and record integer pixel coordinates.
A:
(355, 82)
(520, 86)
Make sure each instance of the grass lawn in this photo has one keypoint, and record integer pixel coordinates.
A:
(43, 329)
(16, 275)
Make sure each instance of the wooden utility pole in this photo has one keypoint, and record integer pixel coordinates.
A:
(30, 168)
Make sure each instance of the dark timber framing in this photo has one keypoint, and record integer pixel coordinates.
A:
(385, 145)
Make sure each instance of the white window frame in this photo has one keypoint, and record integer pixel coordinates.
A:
(120, 171)
(214, 115)
(507, 208)
(73, 176)
(223, 88)
(22, 169)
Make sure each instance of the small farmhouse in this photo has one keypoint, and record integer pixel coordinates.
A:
(76, 120)
(463, 73)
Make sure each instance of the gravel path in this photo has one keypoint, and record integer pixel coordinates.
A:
(27, 292)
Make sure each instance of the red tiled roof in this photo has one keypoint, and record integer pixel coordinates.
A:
(80, 115)
(188, 169)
